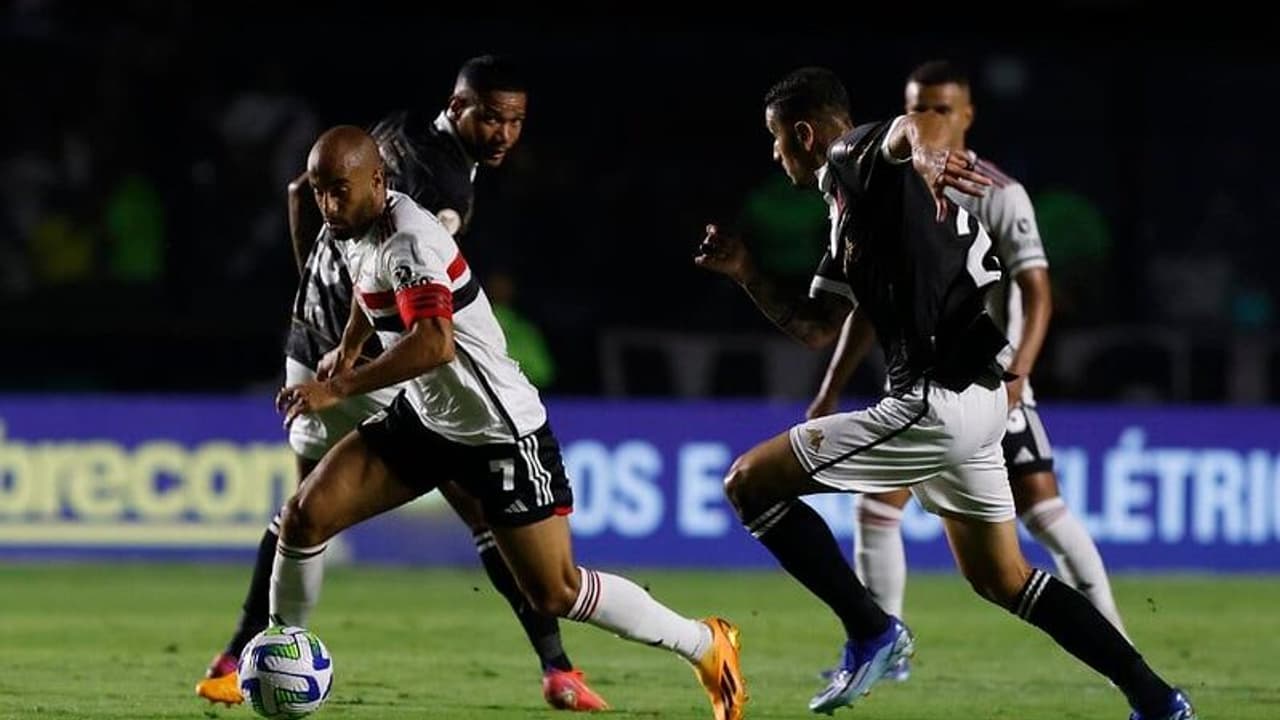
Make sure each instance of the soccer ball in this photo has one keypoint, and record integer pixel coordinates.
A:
(286, 673)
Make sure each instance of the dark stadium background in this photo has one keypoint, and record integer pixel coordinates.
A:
(1146, 149)
(146, 278)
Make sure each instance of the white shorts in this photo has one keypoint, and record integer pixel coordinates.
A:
(312, 435)
(951, 458)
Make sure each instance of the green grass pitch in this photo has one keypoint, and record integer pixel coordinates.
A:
(129, 641)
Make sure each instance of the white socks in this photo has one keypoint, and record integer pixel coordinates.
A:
(1053, 525)
(881, 559)
(296, 577)
(625, 609)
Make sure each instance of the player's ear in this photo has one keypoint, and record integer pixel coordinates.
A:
(804, 134)
(457, 104)
(379, 177)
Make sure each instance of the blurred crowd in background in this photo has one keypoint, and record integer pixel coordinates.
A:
(147, 148)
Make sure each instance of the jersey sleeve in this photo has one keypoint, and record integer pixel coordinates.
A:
(858, 158)
(830, 277)
(426, 164)
(419, 276)
(1011, 220)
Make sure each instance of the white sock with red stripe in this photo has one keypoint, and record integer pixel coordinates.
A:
(296, 577)
(625, 609)
(881, 558)
(1054, 526)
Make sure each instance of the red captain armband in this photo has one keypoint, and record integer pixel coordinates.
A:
(424, 301)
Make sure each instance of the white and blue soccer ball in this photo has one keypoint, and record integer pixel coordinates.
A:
(285, 673)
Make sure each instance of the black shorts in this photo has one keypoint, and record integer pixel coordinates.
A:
(517, 483)
(1026, 444)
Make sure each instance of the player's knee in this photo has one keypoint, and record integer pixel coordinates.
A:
(555, 603)
(555, 598)
(982, 588)
(1000, 587)
(301, 523)
(741, 484)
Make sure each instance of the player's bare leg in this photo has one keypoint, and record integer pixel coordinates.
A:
(351, 484)
(542, 630)
(764, 486)
(541, 557)
(1047, 517)
(990, 558)
(221, 683)
(563, 687)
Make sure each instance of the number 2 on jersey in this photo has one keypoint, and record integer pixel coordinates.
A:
(979, 249)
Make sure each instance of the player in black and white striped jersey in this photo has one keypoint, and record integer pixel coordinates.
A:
(916, 267)
(1021, 304)
(433, 158)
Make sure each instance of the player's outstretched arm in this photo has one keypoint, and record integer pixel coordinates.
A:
(302, 226)
(923, 139)
(813, 321)
(856, 338)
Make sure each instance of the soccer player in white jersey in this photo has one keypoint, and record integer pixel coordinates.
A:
(466, 413)
(1021, 303)
(432, 157)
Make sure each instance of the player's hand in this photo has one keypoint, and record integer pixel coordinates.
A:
(335, 362)
(1014, 389)
(822, 406)
(724, 253)
(308, 397)
(944, 168)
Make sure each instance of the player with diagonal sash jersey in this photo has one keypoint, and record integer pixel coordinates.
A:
(466, 413)
(433, 158)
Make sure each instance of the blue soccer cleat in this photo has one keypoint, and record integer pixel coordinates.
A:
(1179, 709)
(900, 672)
(862, 664)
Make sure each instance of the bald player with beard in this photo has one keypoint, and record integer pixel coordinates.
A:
(465, 414)
(432, 157)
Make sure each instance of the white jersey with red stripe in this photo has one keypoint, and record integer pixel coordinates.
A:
(1006, 212)
(408, 267)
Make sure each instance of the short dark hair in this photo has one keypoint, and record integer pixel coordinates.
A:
(809, 92)
(939, 72)
(492, 73)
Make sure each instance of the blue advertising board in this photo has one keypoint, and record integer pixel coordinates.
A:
(198, 477)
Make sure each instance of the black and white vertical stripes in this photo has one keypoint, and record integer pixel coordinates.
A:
(1031, 593)
(588, 597)
(538, 474)
(769, 518)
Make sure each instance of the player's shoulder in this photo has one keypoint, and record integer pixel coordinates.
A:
(413, 129)
(849, 147)
(405, 222)
(400, 125)
(854, 155)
